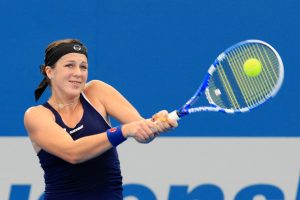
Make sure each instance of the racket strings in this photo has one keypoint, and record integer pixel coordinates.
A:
(218, 84)
(228, 87)
(271, 73)
(242, 90)
(233, 61)
(251, 89)
(213, 87)
(267, 80)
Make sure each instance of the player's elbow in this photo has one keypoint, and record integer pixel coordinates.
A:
(73, 157)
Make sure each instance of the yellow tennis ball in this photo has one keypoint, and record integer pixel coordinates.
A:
(252, 67)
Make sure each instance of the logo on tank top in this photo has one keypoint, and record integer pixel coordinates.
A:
(76, 129)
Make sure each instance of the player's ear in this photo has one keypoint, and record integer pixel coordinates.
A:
(49, 72)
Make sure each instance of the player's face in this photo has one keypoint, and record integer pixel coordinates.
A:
(70, 74)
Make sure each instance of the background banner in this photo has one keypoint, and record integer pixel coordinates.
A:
(177, 169)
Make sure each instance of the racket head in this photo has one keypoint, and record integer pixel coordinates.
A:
(230, 89)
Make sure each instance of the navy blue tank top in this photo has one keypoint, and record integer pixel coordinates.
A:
(96, 179)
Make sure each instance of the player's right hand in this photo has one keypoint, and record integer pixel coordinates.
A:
(144, 131)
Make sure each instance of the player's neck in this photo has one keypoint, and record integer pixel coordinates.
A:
(61, 103)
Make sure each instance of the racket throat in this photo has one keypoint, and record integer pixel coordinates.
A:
(183, 112)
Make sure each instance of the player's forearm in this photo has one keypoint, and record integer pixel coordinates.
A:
(88, 147)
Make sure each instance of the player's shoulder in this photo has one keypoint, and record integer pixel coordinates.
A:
(36, 112)
(97, 86)
(96, 83)
(34, 109)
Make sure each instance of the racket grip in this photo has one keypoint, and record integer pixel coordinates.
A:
(173, 115)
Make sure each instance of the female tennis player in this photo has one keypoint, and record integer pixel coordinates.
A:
(71, 133)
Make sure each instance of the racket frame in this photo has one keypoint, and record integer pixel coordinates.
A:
(187, 109)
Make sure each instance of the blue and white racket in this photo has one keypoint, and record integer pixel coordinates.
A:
(243, 77)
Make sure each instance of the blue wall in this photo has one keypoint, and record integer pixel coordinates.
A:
(154, 52)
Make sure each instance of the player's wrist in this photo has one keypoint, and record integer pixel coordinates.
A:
(115, 136)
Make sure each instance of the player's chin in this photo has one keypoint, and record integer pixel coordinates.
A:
(77, 87)
(75, 91)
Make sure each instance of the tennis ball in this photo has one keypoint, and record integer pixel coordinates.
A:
(252, 67)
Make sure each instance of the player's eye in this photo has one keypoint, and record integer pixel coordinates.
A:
(84, 67)
(69, 65)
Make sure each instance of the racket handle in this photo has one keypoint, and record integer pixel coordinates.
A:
(173, 115)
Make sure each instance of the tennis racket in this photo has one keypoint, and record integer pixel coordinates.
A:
(230, 88)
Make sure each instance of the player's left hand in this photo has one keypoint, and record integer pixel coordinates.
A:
(163, 122)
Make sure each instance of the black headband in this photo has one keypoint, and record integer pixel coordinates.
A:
(53, 56)
(59, 51)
